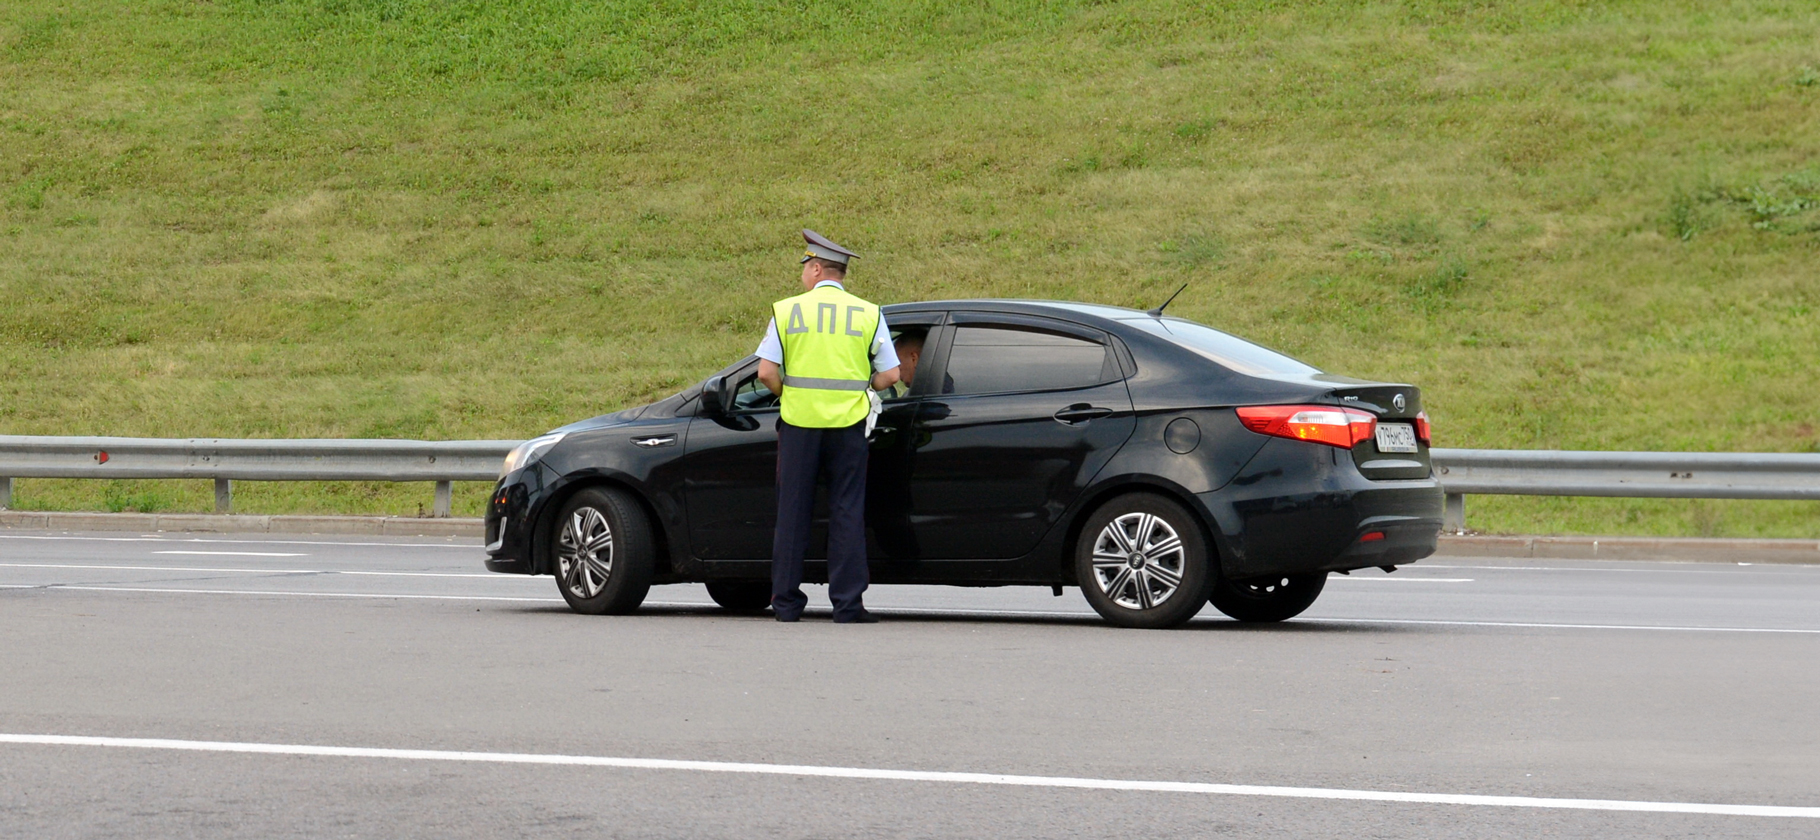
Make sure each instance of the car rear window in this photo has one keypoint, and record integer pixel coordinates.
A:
(1233, 352)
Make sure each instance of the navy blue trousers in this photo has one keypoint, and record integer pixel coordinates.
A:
(803, 455)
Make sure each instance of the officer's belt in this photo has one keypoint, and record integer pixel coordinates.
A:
(826, 384)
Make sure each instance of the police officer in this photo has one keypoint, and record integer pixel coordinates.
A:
(824, 350)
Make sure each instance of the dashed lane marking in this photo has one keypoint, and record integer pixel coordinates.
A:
(1562, 626)
(281, 593)
(1332, 578)
(928, 776)
(116, 567)
(473, 546)
(1628, 569)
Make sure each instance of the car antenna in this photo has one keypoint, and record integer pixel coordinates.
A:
(1158, 312)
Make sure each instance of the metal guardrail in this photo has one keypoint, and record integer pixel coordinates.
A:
(226, 461)
(1659, 475)
(1462, 472)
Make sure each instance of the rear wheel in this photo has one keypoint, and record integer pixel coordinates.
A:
(605, 553)
(1272, 598)
(1142, 562)
(747, 596)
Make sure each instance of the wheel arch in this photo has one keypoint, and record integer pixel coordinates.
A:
(560, 496)
(1112, 489)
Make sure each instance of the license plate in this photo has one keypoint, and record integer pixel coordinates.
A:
(1396, 437)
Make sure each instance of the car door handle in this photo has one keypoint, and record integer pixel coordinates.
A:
(1080, 413)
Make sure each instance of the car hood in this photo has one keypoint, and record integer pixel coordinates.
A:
(617, 418)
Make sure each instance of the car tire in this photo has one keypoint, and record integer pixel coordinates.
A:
(742, 596)
(1142, 561)
(1274, 598)
(602, 552)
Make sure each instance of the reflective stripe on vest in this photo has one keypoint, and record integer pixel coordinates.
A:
(827, 336)
(827, 384)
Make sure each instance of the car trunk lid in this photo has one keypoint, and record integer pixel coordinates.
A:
(1396, 450)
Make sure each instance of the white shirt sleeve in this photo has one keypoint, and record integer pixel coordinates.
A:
(772, 348)
(884, 353)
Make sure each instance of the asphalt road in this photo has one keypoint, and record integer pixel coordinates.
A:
(463, 704)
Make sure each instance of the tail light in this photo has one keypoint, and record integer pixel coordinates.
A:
(1332, 425)
(1422, 428)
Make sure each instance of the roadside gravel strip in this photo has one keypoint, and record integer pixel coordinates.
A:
(926, 776)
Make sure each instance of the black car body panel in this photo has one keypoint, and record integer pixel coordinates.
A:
(981, 481)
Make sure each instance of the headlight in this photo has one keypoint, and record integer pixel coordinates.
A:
(527, 452)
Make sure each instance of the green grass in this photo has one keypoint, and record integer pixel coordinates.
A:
(1574, 225)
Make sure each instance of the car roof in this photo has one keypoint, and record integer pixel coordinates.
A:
(1070, 310)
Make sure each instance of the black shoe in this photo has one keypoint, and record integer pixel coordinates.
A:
(787, 618)
(861, 617)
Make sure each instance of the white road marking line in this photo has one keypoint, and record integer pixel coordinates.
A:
(59, 586)
(1332, 578)
(916, 611)
(234, 553)
(489, 575)
(1550, 626)
(463, 546)
(1777, 569)
(945, 777)
(155, 568)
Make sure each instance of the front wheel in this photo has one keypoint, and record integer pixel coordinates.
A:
(1142, 562)
(605, 553)
(1273, 598)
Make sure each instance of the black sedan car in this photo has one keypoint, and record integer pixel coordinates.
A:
(1154, 462)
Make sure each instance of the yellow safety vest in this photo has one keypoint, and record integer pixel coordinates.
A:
(827, 336)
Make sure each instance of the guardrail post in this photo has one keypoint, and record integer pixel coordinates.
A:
(445, 498)
(224, 495)
(6, 493)
(1453, 514)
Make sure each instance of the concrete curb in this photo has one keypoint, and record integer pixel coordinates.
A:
(1679, 550)
(392, 526)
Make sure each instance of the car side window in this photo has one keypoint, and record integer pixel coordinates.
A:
(990, 359)
(752, 395)
(906, 340)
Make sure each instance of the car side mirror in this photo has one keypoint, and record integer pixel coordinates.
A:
(714, 396)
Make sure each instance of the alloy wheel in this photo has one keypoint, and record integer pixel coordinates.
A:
(1138, 560)
(584, 552)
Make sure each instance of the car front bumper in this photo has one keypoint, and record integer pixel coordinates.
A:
(508, 522)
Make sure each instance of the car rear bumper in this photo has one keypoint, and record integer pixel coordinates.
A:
(1301, 507)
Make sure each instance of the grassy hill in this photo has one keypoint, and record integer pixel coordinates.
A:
(1574, 225)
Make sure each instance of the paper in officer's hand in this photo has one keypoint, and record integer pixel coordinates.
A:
(876, 405)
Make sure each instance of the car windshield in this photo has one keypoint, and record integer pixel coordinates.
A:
(1235, 353)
